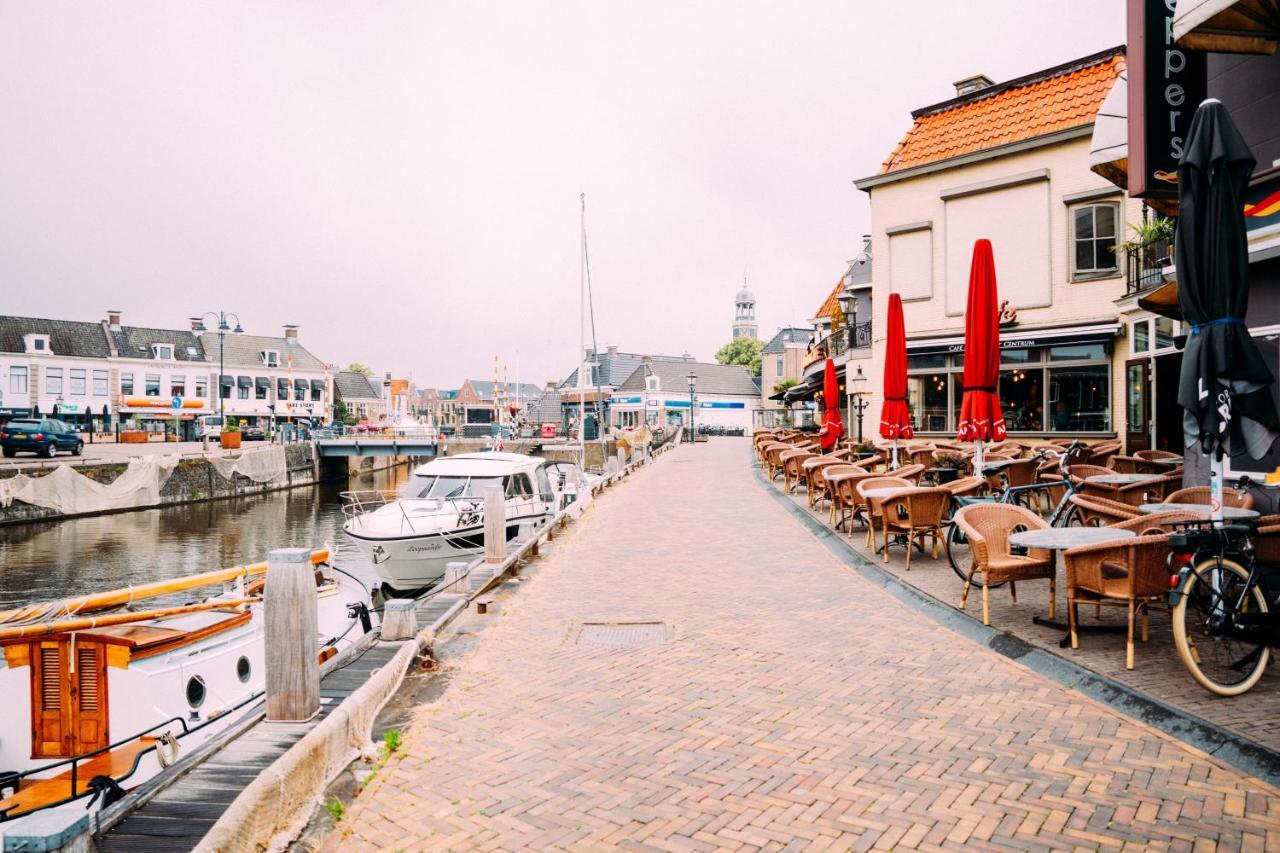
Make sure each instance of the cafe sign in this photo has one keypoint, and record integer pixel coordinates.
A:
(1166, 84)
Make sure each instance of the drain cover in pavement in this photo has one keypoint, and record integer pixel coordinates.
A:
(622, 634)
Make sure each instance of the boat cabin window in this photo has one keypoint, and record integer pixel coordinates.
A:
(519, 486)
(544, 485)
(449, 486)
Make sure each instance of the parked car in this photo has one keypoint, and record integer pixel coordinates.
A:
(253, 433)
(43, 438)
(209, 425)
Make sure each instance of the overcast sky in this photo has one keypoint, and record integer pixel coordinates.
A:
(402, 179)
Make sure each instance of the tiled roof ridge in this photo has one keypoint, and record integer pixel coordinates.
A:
(991, 91)
(828, 305)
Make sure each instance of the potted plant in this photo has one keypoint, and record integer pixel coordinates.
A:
(1152, 243)
(865, 450)
(947, 466)
(230, 436)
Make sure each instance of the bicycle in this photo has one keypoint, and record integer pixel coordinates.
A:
(1064, 513)
(1226, 617)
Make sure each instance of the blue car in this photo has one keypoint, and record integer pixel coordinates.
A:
(43, 438)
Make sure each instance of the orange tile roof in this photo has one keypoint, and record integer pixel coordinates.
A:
(1051, 100)
(829, 304)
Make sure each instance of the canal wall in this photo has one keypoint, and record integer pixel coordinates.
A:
(149, 483)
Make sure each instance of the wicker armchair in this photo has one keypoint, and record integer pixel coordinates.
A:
(908, 472)
(1101, 452)
(987, 527)
(1157, 454)
(914, 514)
(1200, 495)
(809, 469)
(871, 508)
(1154, 523)
(1266, 544)
(1102, 512)
(769, 457)
(842, 488)
(921, 454)
(791, 473)
(826, 489)
(1133, 573)
(1126, 464)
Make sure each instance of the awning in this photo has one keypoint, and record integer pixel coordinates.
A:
(1021, 339)
(1163, 301)
(300, 384)
(804, 391)
(244, 381)
(1228, 26)
(317, 385)
(282, 387)
(227, 381)
(263, 382)
(1109, 150)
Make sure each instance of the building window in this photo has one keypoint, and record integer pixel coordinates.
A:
(100, 383)
(261, 392)
(40, 344)
(164, 352)
(53, 380)
(178, 386)
(1142, 336)
(153, 384)
(270, 357)
(779, 371)
(126, 383)
(316, 394)
(242, 393)
(202, 387)
(18, 380)
(78, 381)
(1093, 240)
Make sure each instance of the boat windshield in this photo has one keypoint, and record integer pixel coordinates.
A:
(449, 486)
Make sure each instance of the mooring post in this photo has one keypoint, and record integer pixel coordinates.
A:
(399, 620)
(455, 581)
(289, 611)
(495, 525)
(622, 461)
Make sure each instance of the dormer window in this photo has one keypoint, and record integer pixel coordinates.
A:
(162, 352)
(651, 383)
(37, 343)
(270, 357)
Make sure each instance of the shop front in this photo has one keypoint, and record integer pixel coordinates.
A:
(1053, 382)
(175, 416)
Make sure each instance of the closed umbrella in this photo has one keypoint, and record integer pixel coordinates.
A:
(1225, 384)
(895, 419)
(106, 418)
(980, 416)
(35, 410)
(832, 428)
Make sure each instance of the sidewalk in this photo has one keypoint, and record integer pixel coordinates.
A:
(110, 451)
(782, 701)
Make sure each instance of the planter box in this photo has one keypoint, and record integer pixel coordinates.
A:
(230, 440)
(946, 475)
(133, 436)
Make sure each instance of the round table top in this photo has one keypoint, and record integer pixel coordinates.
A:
(1065, 538)
(1171, 461)
(1120, 479)
(879, 494)
(1228, 512)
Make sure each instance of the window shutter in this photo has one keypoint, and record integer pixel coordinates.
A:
(87, 675)
(50, 679)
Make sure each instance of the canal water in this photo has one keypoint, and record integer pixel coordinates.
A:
(58, 559)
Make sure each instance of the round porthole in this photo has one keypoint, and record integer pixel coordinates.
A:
(195, 691)
(243, 670)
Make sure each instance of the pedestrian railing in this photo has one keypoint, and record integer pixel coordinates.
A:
(1145, 265)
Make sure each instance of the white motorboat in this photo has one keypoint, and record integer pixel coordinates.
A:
(106, 691)
(438, 517)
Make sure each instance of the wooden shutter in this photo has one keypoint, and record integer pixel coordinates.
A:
(50, 701)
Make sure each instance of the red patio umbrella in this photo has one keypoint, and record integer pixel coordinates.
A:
(895, 419)
(832, 428)
(980, 416)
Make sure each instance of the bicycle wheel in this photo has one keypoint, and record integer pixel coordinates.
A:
(1071, 518)
(958, 554)
(1221, 665)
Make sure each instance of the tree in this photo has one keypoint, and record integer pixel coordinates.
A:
(744, 351)
(784, 384)
(357, 367)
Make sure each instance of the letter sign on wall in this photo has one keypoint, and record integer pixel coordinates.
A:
(1166, 84)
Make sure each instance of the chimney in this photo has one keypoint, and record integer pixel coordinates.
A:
(553, 384)
(196, 323)
(588, 353)
(969, 85)
(612, 350)
(291, 333)
(113, 319)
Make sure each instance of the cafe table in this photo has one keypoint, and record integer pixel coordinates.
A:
(1120, 479)
(1058, 539)
(875, 496)
(1229, 513)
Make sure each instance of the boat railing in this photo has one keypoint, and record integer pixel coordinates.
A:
(465, 510)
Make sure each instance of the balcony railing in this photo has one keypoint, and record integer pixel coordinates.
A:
(842, 340)
(1143, 265)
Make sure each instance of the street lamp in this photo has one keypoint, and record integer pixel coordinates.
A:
(858, 390)
(223, 328)
(693, 384)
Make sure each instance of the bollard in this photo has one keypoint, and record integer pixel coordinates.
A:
(610, 468)
(289, 613)
(399, 620)
(495, 525)
(455, 581)
(622, 460)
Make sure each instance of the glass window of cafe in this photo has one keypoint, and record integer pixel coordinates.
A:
(1064, 388)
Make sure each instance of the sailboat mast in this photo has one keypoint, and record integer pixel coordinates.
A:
(582, 330)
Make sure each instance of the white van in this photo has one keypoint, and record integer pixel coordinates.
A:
(209, 425)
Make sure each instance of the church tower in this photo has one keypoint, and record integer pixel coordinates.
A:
(744, 315)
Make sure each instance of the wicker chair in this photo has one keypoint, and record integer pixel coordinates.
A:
(871, 508)
(921, 454)
(1080, 473)
(1157, 454)
(1126, 464)
(791, 473)
(915, 514)
(827, 489)
(809, 469)
(1266, 544)
(1102, 512)
(1101, 452)
(908, 472)
(842, 488)
(1154, 523)
(1131, 572)
(769, 457)
(1200, 495)
(987, 526)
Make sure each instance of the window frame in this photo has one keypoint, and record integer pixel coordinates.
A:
(126, 383)
(73, 378)
(101, 383)
(147, 384)
(1078, 274)
(16, 371)
(50, 378)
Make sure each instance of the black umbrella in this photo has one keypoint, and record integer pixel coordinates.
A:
(1225, 384)
(35, 410)
(106, 418)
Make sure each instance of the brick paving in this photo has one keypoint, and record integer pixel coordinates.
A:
(793, 705)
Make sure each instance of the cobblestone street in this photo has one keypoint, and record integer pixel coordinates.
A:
(786, 702)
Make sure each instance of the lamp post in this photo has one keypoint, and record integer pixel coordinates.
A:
(693, 384)
(858, 389)
(223, 328)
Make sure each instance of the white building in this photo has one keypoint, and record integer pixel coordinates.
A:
(262, 377)
(658, 393)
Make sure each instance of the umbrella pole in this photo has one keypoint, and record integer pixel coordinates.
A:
(977, 458)
(1216, 476)
(895, 454)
